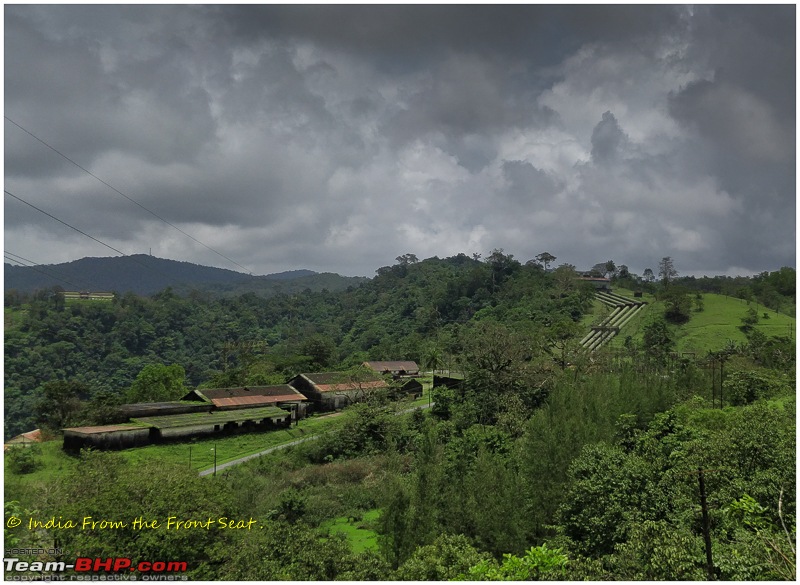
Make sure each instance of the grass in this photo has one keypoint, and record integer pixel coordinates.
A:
(52, 461)
(719, 322)
(13, 317)
(709, 329)
(229, 448)
(55, 463)
(359, 533)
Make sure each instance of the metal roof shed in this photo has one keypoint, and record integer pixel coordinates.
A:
(182, 426)
(106, 437)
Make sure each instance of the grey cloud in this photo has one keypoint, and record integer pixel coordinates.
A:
(607, 139)
(401, 37)
(527, 183)
(290, 136)
(152, 108)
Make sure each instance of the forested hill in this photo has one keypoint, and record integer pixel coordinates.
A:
(145, 275)
(598, 465)
(404, 311)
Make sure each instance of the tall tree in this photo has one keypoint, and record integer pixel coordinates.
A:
(657, 339)
(60, 403)
(502, 265)
(648, 275)
(407, 259)
(158, 383)
(545, 258)
(677, 305)
(666, 270)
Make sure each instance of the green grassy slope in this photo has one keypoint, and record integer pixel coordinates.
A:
(710, 329)
(55, 463)
(719, 322)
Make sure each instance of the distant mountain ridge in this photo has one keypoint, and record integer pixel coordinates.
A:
(145, 275)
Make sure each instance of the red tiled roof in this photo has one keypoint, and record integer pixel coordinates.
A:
(344, 387)
(393, 366)
(252, 400)
(34, 435)
(280, 390)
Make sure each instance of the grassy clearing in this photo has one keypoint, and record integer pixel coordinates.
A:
(197, 454)
(719, 322)
(710, 329)
(55, 463)
(52, 461)
(229, 448)
(359, 533)
(594, 315)
(13, 317)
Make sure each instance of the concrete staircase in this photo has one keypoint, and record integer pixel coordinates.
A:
(623, 310)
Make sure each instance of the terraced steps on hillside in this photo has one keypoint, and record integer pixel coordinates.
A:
(623, 312)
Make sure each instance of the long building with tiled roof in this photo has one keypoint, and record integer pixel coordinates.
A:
(395, 368)
(247, 396)
(334, 390)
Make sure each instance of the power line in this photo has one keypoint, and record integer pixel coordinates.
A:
(128, 198)
(85, 234)
(32, 265)
(64, 223)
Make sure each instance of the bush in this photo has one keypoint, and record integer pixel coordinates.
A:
(747, 386)
(539, 563)
(22, 460)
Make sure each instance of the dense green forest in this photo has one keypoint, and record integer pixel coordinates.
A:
(407, 310)
(545, 463)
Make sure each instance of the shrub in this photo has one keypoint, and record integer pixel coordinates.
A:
(747, 386)
(22, 460)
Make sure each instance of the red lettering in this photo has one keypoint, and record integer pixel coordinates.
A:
(121, 563)
(103, 565)
(83, 564)
(178, 566)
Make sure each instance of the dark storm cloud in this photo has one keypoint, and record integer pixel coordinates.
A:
(403, 32)
(76, 92)
(338, 137)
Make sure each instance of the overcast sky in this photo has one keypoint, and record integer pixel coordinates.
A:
(337, 138)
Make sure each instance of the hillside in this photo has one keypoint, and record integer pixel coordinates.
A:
(144, 275)
(713, 327)
(290, 283)
(592, 461)
(404, 311)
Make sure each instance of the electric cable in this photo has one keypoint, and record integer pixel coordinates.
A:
(154, 214)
